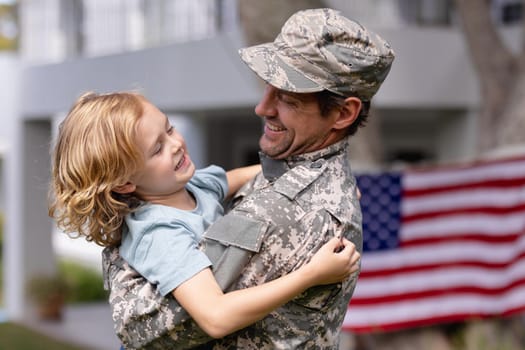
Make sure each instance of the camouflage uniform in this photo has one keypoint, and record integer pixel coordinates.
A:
(142, 318)
(282, 219)
(299, 205)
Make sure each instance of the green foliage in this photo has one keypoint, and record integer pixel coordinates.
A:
(41, 288)
(81, 284)
(85, 284)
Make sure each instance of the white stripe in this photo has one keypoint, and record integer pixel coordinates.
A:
(445, 177)
(439, 278)
(410, 310)
(461, 199)
(455, 224)
(442, 253)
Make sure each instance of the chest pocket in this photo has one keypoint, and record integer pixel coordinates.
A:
(230, 243)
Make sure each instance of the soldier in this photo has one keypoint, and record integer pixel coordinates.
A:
(321, 72)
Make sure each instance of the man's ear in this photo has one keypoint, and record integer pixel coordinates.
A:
(128, 187)
(348, 113)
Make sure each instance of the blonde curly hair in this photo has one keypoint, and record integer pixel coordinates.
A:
(95, 152)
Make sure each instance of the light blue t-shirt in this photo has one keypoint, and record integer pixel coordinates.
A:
(161, 242)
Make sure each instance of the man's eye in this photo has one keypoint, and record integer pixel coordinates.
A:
(170, 130)
(288, 100)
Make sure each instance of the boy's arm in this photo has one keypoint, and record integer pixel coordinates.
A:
(143, 318)
(220, 314)
(239, 176)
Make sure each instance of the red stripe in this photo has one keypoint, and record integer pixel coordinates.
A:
(465, 165)
(390, 271)
(489, 210)
(488, 184)
(392, 298)
(393, 326)
(463, 237)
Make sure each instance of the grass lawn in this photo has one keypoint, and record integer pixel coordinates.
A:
(16, 337)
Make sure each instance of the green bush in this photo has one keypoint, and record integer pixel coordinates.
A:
(41, 287)
(85, 284)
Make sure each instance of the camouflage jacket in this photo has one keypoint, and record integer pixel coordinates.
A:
(278, 223)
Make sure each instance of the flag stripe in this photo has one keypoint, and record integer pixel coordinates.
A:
(419, 322)
(462, 223)
(486, 210)
(469, 289)
(429, 308)
(492, 184)
(442, 253)
(445, 177)
(441, 278)
(463, 238)
(457, 264)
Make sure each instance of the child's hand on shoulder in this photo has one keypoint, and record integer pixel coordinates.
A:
(335, 261)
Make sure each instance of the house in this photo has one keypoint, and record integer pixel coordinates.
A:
(182, 54)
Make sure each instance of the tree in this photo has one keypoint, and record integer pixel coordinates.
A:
(501, 74)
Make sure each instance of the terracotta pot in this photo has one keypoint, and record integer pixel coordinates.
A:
(52, 308)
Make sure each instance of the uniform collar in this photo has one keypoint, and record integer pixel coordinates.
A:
(275, 168)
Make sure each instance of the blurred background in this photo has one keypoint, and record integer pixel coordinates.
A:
(441, 162)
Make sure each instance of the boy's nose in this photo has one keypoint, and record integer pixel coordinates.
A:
(176, 144)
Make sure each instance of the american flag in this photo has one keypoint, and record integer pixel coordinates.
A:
(442, 244)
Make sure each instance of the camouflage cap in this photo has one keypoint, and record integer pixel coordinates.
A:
(320, 49)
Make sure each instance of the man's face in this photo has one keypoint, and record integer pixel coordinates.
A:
(293, 123)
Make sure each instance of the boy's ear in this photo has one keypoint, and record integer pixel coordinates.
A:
(128, 187)
(348, 113)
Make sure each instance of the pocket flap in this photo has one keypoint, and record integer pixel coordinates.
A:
(239, 231)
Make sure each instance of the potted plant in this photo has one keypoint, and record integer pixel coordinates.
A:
(49, 295)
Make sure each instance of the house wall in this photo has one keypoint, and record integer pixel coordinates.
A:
(432, 69)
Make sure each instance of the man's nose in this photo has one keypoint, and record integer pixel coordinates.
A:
(267, 104)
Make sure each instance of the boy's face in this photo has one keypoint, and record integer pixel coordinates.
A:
(167, 164)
